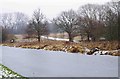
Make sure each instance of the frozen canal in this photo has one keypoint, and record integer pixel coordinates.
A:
(41, 63)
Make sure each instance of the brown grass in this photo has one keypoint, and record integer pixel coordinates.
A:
(67, 46)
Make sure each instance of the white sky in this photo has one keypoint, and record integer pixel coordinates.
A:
(51, 8)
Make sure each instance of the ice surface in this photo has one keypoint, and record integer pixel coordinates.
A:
(42, 63)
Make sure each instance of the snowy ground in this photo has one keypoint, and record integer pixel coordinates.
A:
(41, 63)
(6, 72)
(52, 38)
(58, 39)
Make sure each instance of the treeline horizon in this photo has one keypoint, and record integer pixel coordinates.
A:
(93, 21)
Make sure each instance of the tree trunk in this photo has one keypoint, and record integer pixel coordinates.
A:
(70, 37)
(88, 36)
(38, 38)
(93, 38)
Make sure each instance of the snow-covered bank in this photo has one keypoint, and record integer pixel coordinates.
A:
(6, 72)
(41, 63)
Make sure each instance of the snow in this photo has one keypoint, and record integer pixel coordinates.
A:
(58, 39)
(42, 63)
(53, 38)
(4, 72)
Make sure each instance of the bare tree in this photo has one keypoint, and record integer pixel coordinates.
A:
(14, 22)
(67, 22)
(38, 24)
(91, 20)
(20, 21)
(112, 18)
(5, 25)
(6, 20)
(11, 23)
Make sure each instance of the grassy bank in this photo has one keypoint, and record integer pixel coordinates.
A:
(7, 73)
(67, 46)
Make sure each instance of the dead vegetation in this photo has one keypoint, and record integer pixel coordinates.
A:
(69, 46)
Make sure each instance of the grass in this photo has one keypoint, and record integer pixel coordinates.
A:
(7, 73)
(104, 45)
(71, 47)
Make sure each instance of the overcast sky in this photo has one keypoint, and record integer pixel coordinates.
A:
(51, 8)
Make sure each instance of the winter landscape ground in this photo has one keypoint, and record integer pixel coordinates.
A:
(59, 38)
(56, 57)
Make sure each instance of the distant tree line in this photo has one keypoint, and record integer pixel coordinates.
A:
(92, 21)
(12, 23)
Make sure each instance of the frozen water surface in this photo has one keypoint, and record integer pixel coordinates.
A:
(41, 63)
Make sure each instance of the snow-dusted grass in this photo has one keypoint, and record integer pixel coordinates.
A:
(5, 72)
